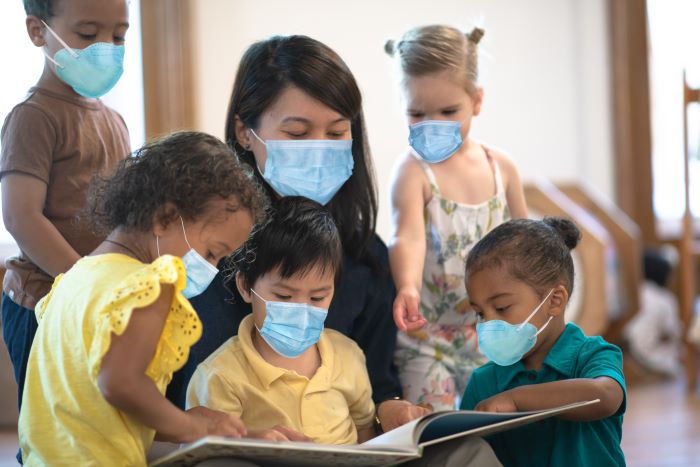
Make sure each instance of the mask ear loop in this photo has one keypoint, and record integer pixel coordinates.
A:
(62, 42)
(158, 245)
(264, 144)
(185, 232)
(257, 295)
(535, 311)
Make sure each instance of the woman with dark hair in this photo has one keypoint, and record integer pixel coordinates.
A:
(295, 116)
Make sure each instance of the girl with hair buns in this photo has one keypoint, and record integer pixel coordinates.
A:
(448, 191)
(519, 278)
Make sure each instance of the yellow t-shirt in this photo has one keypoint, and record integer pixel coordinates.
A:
(65, 420)
(328, 408)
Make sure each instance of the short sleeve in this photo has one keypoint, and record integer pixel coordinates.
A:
(28, 142)
(598, 358)
(208, 388)
(140, 289)
(362, 408)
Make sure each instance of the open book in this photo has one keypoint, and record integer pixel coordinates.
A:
(394, 447)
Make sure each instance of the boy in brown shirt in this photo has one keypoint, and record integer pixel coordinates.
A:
(53, 143)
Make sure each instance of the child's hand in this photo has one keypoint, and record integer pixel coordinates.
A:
(212, 422)
(502, 402)
(394, 413)
(407, 314)
(280, 433)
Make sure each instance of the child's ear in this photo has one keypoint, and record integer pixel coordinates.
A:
(242, 133)
(478, 98)
(558, 301)
(35, 29)
(163, 217)
(242, 289)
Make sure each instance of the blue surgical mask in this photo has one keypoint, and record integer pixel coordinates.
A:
(314, 169)
(504, 343)
(200, 272)
(291, 328)
(91, 71)
(435, 140)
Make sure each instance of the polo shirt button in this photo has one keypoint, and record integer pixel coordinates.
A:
(531, 376)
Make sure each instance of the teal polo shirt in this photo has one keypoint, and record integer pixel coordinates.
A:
(556, 442)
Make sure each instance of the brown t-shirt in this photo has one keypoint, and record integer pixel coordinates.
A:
(64, 141)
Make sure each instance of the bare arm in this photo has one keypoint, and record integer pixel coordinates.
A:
(23, 199)
(123, 382)
(515, 197)
(557, 393)
(366, 433)
(407, 245)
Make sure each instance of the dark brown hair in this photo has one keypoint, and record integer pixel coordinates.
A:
(270, 66)
(535, 252)
(42, 9)
(186, 169)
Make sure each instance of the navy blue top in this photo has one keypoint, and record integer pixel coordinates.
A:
(361, 309)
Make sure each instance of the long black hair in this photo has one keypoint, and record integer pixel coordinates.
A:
(270, 66)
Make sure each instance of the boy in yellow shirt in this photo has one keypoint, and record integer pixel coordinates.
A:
(286, 376)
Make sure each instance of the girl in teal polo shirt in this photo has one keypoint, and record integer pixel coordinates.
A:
(519, 278)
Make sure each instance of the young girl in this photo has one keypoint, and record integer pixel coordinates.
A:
(448, 191)
(117, 325)
(519, 278)
(284, 374)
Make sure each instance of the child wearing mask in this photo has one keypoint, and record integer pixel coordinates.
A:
(117, 325)
(284, 374)
(53, 143)
(519, 278)
(448, 191)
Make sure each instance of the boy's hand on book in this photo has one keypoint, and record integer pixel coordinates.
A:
(280, 433)
(206, 422)
(394, 413)
(502, 402)
(407, 315)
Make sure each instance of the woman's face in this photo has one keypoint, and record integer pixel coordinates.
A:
(294, 115)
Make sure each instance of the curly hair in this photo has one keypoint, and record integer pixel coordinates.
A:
(185, 169)
(42, 9)
(533, 251)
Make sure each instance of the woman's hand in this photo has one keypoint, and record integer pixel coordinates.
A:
(279, 433)
(394, 413)
(407, 315)
(502, 402)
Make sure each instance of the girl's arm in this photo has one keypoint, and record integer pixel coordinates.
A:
(558, 393)
(123, 382)
(23, 199)
(515, 197)
(407, 245)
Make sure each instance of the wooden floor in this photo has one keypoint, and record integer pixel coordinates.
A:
(661, 427)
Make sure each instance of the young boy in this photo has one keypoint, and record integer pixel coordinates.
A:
(519, 279)
(284, 374)
(53, 143)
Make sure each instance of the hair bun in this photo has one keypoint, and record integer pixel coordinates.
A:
(390, 47)
(566, 229)
(476, 35)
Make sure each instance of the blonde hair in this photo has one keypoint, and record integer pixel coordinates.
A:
(430, 49)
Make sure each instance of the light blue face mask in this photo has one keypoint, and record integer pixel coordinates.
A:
(291, 328)
(315, 169)
(435, 140)
(200, 272)
(504, 343)
(91, 71)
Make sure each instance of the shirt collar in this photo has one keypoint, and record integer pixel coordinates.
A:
(561, 357)
(268, 373)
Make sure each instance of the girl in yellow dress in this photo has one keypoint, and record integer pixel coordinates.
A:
(117, 325)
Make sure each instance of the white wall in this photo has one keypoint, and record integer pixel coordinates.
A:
(547, 98)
